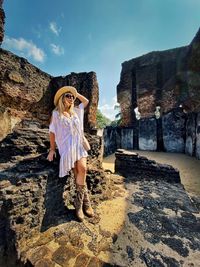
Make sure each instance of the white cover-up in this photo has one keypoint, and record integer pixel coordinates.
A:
(68, 137)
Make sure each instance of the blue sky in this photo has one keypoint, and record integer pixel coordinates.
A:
(67, 36)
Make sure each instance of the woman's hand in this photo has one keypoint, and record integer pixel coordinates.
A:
(51, 154)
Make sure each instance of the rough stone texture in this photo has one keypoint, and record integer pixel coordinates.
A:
(166, 78)
(135, 167)
(21, 86)
(32, 197)
(174, 131)
(148, 134)
(26, 94)
(143, 79)
(161, 228)
(190, 134)
(112, 139)
(39, 228)
(197, 150)
(126, 138)
(191, 77)
(2, 21)
(119, 137)
(167, 218)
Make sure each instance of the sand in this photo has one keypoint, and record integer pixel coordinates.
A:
(189, 167)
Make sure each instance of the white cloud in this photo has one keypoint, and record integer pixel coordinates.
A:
(54, 28)
(109, 109)
(56, 49)
(26, 48)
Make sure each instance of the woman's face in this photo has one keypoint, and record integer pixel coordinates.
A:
(68, 99)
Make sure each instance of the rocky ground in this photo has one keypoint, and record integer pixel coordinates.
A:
(136, 223)
(144, 223)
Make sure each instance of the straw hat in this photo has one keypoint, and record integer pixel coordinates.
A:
(63, 90)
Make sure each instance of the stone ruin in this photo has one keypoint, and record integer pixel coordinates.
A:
(37, 223)
(166, 79)
(164, 88)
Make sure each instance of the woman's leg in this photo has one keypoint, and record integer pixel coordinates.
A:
(82, 197)
(80, 175)
(81, 169)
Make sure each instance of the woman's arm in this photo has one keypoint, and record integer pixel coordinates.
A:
(52, 146)
(83, 99)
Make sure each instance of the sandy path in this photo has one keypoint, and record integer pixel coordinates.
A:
(189, 167)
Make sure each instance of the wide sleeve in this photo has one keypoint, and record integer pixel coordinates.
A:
(80, 112)
(52, 125)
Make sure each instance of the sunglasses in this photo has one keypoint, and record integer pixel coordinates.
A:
(69, 96)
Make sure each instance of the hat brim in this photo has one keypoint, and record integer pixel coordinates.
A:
(63, 90)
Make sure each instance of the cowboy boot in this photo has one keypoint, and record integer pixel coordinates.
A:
(86, 204)
(78, 203)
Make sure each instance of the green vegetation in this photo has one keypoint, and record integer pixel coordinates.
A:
(102, 121)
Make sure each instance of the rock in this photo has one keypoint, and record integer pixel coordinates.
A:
(174, 131)
(148, 134)
(64, 254)
(135, 167)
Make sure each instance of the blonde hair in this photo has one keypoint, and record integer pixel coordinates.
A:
(61, 106)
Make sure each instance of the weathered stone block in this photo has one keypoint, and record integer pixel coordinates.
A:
(174, 131)
(135, 167)
(127, 138)
(148, 134)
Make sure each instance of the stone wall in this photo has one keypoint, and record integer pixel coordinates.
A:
(175, 131)
(26, 94)
(118, 137)
(148, 134)
(135, 167)
(163, 78)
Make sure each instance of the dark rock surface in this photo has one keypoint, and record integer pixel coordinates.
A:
(168, 217)
(32, 197)
(118, 137)
(135, 167)
(174, 131)
(148, 134)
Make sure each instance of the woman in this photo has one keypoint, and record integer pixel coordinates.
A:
(66, 131)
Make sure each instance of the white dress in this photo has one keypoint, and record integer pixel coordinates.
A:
(68, 137)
